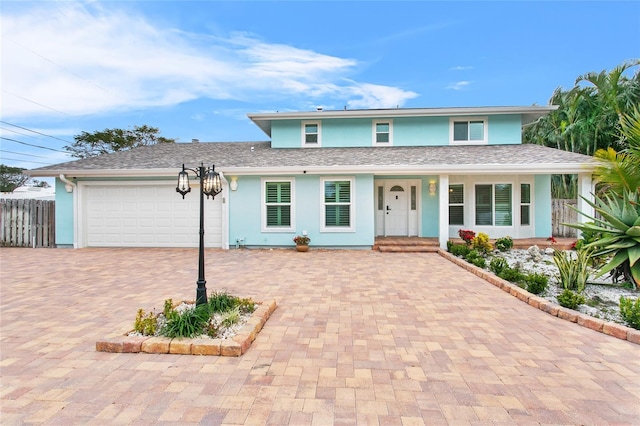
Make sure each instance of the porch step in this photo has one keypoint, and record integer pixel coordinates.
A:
(406, 245)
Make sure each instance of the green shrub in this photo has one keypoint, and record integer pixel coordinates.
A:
(498, 264)
(246, 306)
(504, 243)
(231, 317)
(221, 301)
(481, 243)
(536, 283)
(513, 275)
(188, 323)
(630, 311)
(570, 299)
(460, 250)
(476, 259)
(147, 325)
(572, 273)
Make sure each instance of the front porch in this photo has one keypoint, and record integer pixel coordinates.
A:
(430, 245)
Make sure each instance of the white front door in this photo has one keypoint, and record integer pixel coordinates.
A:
(396, 217)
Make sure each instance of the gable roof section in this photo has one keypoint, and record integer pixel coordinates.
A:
(258, 158)
(529, 114)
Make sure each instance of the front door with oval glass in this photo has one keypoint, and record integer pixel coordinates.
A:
(397, 207)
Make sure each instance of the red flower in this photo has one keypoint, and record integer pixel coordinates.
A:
(552, 239)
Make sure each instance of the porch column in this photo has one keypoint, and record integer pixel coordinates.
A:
(443, 206)
(586, 190)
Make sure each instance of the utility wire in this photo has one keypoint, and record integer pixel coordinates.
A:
(32, 131)
(19, 153)
(26, 161)
(30, 144)
(36, 103)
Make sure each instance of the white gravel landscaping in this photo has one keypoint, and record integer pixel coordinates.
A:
(603, 296)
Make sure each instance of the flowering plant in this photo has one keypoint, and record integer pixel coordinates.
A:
(552, 239)
(301, 240)
(467, 236)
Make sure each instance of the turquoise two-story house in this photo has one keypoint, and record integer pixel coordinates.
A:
(341, 177)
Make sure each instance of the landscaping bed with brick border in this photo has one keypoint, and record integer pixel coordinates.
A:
(234, 346)
(611, 328)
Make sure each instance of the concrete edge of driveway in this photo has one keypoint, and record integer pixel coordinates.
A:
(235, 346)
(611, 328)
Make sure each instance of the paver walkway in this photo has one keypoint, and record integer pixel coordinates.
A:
(359, 337)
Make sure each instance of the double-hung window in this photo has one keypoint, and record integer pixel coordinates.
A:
(337, 204)
(468, 131)
(456, 204)
(383, 132)
(494, 205)
(278, 207)
(311, 133)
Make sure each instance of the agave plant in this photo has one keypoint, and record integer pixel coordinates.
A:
(619, 223)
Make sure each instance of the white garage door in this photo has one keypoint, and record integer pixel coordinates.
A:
(148, 216)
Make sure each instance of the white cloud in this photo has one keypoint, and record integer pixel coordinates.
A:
(74, 59)
(461, 68)
(459, 85)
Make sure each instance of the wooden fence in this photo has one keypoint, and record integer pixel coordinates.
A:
(561, 212)
(27, 223)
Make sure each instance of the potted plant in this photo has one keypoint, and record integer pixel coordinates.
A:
(302, 242)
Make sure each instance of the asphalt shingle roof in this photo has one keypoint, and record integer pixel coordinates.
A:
(234, 155)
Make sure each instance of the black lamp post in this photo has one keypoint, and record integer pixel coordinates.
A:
(210, 185)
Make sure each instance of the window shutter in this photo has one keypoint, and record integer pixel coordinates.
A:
(278, 194)
(484, 208)
(476, 131)
(503, 205)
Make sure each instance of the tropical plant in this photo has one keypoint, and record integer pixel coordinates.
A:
(497, 265)
(481, 243)
(460, 250)
(619, 223)
(573, 272)
(475, 258)
(467, 236)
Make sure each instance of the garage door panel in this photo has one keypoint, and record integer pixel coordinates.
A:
(148, 216)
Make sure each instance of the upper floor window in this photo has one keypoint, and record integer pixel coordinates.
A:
(277, 211)
(383, 132)
(467, 131)
(311, 133)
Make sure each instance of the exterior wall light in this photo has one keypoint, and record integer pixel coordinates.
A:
(432, 188)
(234, 183)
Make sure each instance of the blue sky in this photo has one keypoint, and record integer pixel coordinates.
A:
(195, 69)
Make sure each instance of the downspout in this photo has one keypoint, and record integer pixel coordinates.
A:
(68, 185)
(225, 214)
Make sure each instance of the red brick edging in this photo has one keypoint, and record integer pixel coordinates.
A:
(235, 346)
(611, 328)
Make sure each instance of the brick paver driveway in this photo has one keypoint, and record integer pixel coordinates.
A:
(359, 337)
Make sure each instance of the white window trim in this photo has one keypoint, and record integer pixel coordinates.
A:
(304, 140)
(374, 125)
(263, 206)
(463, 204)
(493, 205)
(485, 126)
(352, 205)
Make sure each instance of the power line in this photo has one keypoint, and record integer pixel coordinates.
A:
(36, 103)
(20, 153)
(32, 131)
(30, 144)
(26, 161)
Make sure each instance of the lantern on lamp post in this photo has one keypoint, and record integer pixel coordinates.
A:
(210, 185)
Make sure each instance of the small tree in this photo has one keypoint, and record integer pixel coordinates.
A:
(12, 178)
(112, 140)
